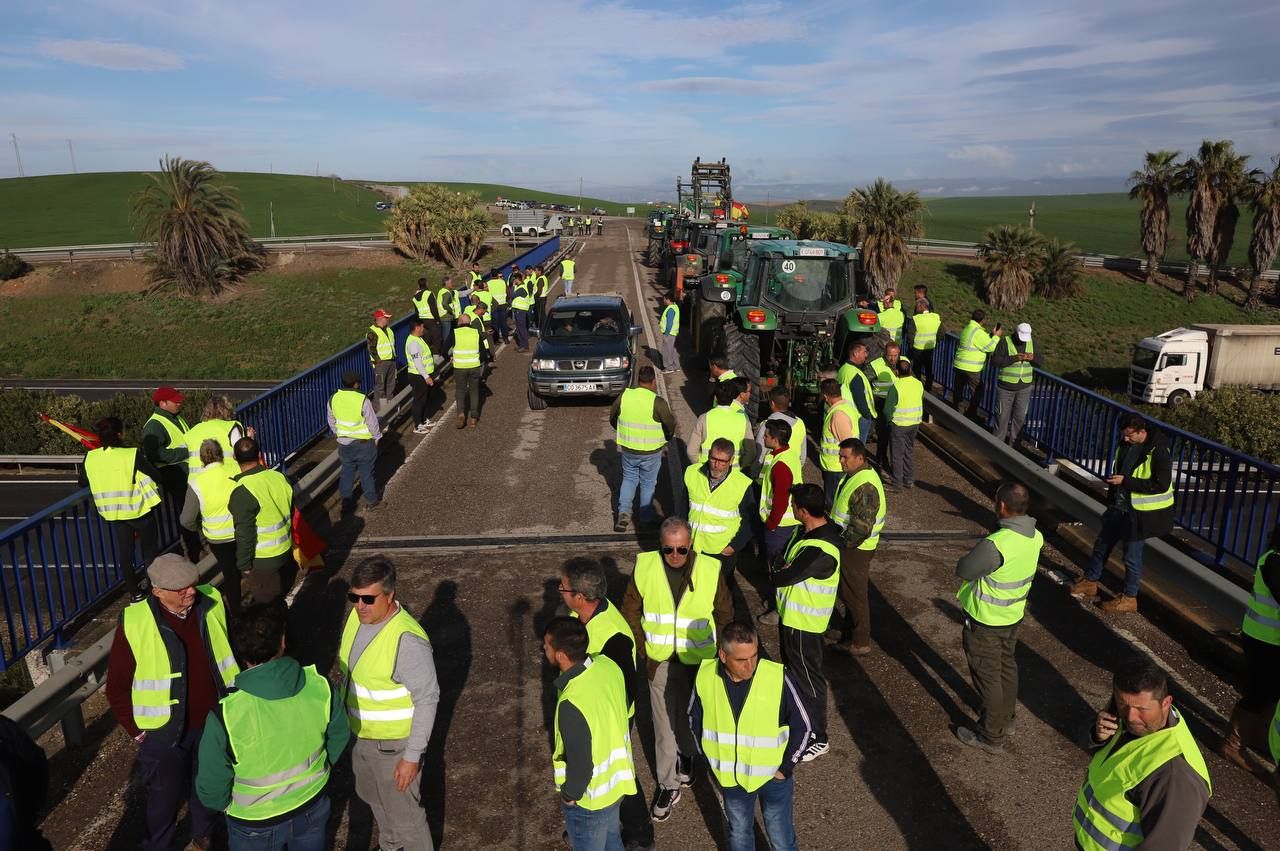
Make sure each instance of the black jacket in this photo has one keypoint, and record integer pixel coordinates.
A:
(1150, 524)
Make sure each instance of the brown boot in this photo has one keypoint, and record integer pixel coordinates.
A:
(1122, 605)
(1084, 589)
(475, 422)
(462, 420)
(1232, 747)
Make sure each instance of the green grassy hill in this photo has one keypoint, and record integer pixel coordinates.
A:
(490, 192)
(87, 209)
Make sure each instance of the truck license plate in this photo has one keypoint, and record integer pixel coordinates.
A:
(580, 387)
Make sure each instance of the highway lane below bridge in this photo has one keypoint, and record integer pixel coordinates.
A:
(526, 490)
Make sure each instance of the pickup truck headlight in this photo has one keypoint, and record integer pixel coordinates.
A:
(617, 363)
(544, 364)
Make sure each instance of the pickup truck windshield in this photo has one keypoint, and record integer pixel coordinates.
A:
(585, 323)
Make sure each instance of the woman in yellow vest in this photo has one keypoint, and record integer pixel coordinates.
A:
(125, 490)
(208, 510)
(216, 423)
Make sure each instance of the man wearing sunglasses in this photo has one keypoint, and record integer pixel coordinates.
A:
(391, 692)
(675, 603)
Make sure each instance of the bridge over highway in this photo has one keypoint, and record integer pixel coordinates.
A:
(479, 521)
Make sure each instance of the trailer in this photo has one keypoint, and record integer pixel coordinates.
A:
(1173, 367)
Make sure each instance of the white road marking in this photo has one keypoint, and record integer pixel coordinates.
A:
(675, 466)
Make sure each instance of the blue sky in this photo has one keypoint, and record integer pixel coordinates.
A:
(625, 94)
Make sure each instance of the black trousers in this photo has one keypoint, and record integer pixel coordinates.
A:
(168, 768)
(421, 396)
(802, 654)
(432, 333)
(224, 553)
(962, 380)
(922, 366)
(148, 538)
(173, 487)
(466, 383)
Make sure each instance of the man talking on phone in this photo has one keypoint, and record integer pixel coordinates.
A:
(971, 356)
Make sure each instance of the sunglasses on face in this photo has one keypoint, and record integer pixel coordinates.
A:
(367, 599)
(684, 551)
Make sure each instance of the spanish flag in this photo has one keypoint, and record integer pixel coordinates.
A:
(87, 438)
(739, 211)
(308, 548)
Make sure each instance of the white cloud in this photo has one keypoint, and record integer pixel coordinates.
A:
(112, 55)
(990, 155)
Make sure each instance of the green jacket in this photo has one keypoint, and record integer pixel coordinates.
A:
(278, 679)
(155, 441)
(243, 506)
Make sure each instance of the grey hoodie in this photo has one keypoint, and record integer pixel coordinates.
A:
(984, 559)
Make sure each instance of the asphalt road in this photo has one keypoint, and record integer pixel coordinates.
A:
(896, 777)
(22, 496)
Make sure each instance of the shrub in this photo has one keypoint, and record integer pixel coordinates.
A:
(23, 433)
(12, 266)
(1058, 276)
(1234, 416)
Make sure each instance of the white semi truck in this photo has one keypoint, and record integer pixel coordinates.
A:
(1173, 367)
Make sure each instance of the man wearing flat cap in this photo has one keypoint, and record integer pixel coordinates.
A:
(164, 445)
(171, 663)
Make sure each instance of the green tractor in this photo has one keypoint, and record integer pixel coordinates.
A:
(782, 315)
(724, 247)
(657, 228)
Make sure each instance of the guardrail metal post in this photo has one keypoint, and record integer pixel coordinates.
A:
(73, 721)
(1228, 515)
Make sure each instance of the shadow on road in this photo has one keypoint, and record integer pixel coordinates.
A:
(450, 635)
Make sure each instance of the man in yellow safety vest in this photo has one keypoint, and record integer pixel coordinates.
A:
(262, 514)
(904, 409)
(996, 577)
(859, 509)
(389, 686)
(971, 359)
(645, 425)
(381, 342)
(922, 340)
(354, 423)
(1014, 360)
(1147, 785)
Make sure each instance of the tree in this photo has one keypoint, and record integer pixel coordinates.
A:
(812, 224)
(200, 240)
(436, 222)
(1234, 182)
(1011, 255)
(1213, 178)
(885, 218)
(1058, 273)
(1153, 185)
(1263, 193)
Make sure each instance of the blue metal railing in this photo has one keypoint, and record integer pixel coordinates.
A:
(1228, 500)
(60, 562)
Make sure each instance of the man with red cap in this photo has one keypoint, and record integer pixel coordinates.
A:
(164, 445)
(382, 352)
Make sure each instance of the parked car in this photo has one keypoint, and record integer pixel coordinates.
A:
(586, 348)
(383, 205)
(597, 211)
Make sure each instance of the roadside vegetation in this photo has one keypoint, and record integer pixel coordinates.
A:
(435, 223)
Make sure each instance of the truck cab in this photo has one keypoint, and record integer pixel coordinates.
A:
(1169, 368)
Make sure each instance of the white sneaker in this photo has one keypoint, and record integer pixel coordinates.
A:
(422, 429)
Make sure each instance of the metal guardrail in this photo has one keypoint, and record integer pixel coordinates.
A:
(134, 250)
(60, 562)
(1224, 498)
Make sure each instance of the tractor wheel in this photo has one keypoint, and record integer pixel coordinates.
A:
(743, 350)
(707, 319)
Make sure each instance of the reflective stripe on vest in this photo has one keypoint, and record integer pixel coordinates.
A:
(213, 487)
(422, 303)
(714, 515)
(348, 415)
(1104, 818)
(808, 604)
(1020, 371)
(971, 351)
(1147, 501)
(688, 630)
(120, 490)
(466, 347)
(1262, 616)
(1000, 598)
(638, 429)
(386, 342)
(840, 505)
(792, 462)
(670, 313)
(747, 750)
(852, 379)
(522, 300)
(891, 320)
(279, 749)
(1274, 736)
(908, 403)
(413, 345)
(216, 430)
(154, 672)
(926, 336)
(498, 289)
(275, 512)
(378, 706)
(604, 625)
(885, 378)
(600, 694)
(445, 304)
(829, 450)
(727, 421)
(727, 375)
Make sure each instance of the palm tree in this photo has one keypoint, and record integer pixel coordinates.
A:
(1058, 275)
(436, 222)
(1153, 185)
(1234, 182)
(200, 239)
(886, 218)
(1011, 255)
(1263, 194)
(1210, 178)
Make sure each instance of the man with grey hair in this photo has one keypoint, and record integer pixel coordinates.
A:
(390, 690)
(582, 590)
(676, 601)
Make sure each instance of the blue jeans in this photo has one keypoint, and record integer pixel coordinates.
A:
(593, 830)
(831, 480)
(500, 323)
(639, 471)
(303, 832)
(568, 286)
(864, 428)
(358, 456)
(522, 328)
(775, 805)
(446, 337)
(1115, 528)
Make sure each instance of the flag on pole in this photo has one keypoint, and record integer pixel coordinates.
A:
(308, 548)
(739, 211)
(87, 438)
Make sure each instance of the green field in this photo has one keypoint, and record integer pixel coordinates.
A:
(90, 209)
(1087, 339)
(490, 192)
